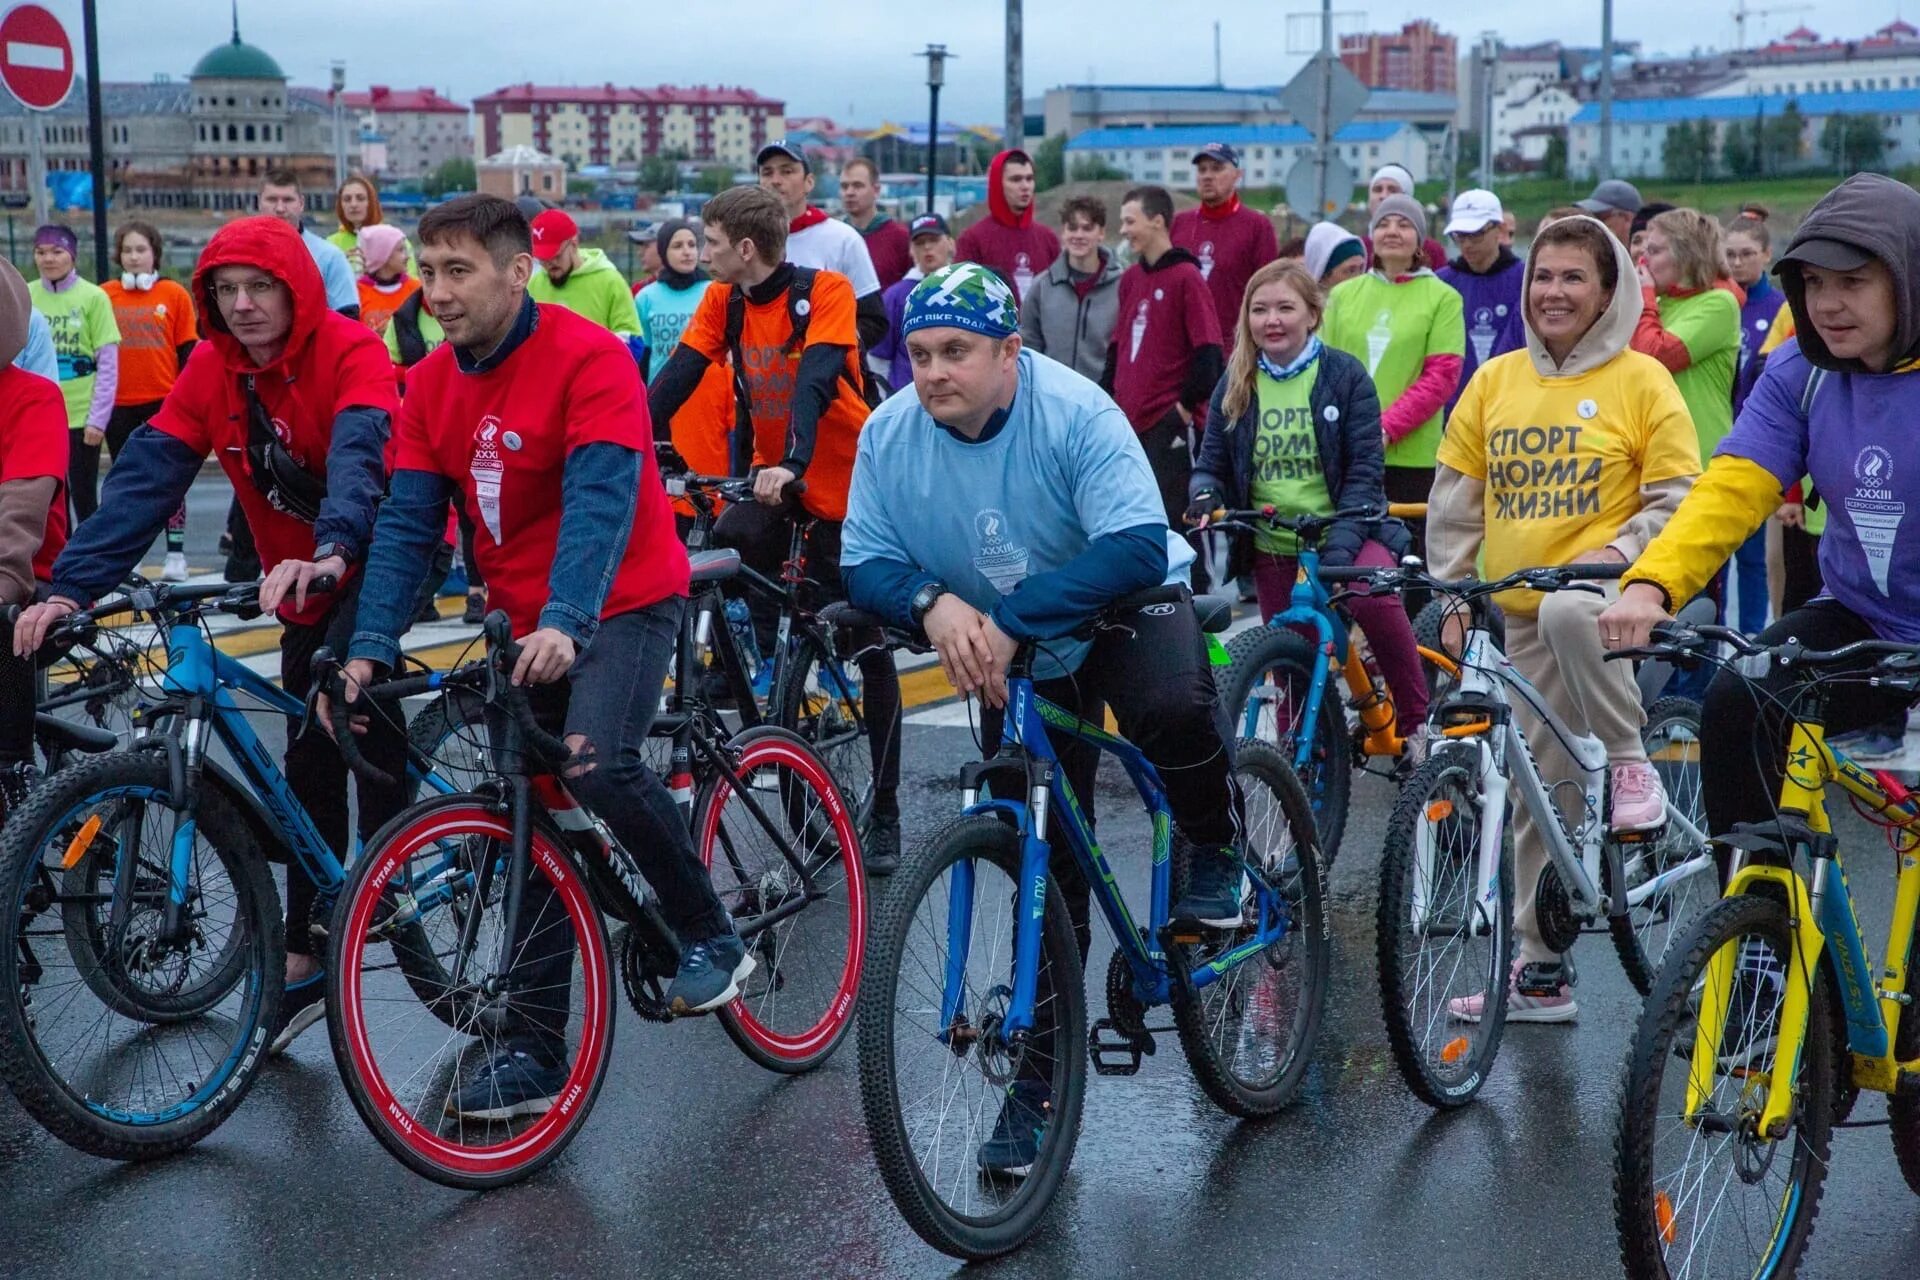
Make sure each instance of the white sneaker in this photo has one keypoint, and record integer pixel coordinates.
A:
(175, 570)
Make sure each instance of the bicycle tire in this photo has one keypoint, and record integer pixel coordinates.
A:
(1445, 779)
(1903, 1109)
(1645, 1228)
(822, 700)
(1307, 946)
(750, 1021)
(417, 1140)
(982, 839)
(1328, 776)
(451, 731)
(79, 1117)
(1426, 634)
(1631, 931)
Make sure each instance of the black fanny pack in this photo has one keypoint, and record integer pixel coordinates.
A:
(286, 485)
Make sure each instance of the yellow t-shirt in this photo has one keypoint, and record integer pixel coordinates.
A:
(1564, 458)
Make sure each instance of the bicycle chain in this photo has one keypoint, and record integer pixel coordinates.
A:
(1124, 1009)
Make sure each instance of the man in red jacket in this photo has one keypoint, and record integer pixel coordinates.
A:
(887, 242)
(1008, 239)
(1229, 240)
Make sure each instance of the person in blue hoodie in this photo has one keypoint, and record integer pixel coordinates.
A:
(1487, 276)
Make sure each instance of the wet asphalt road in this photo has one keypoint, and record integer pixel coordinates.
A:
(697, 1164)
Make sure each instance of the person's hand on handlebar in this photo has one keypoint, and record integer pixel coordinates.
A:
(1200, 511)
(35, 621)
(974, 653)
(545, 656)
(769, 486)
(356, 675)
(1628, 622)
(291, 577)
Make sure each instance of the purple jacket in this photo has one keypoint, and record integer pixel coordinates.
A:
(893, 347)
(1491, 306)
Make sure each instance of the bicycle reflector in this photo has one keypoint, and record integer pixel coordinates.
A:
(1454, 1050)
(1663, 1216)
(1439, 810)
(81, 842)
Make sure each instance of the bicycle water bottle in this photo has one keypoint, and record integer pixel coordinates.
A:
(740, 621)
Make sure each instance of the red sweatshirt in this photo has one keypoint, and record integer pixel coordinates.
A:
(1014, 245)
(1230, 243)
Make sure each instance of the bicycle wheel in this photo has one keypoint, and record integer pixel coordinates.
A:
(546, 993)
(822, 700)
(1249, 1035)
(934, 1086)
(97, 686)
(1444, 954)
(1266, 699)
(451, 731)
(1709, 1195)
(1903, 1109)
(799, 1002)
(1643, 935)
(121, 1042)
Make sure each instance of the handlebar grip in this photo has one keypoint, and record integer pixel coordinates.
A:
(1351, 573)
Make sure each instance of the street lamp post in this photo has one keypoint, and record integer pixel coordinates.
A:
(339, 124)
(936, 56)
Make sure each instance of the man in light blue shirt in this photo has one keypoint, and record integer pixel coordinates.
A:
(1008, 500)
(280, 198)
(38, 356)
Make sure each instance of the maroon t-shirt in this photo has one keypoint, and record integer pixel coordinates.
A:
(1165, 315)
(1229, 249)
(890, 248)
(1021, 255)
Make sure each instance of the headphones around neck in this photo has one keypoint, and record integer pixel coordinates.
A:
(143, 280)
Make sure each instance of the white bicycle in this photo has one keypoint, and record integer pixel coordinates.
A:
(1447, 872)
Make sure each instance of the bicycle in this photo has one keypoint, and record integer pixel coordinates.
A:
(144, 958)
(1445, 912)
(768, 822)
(1772, 1004)
(976, 988)
(1282, 686)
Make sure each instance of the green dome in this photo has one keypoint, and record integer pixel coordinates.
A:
(237, 61)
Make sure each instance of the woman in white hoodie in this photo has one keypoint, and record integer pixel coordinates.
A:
(1575, 450)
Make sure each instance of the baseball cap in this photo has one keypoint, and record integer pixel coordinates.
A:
(1821, 251)
(928, 224)
(1613, 195)
(551, 229)
(781, 147)
(1473, 211)
(1218, 151)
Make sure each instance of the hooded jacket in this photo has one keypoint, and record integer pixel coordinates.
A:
(1013, 245)
(330, 399)
(1073, 323)
(1322, 240)
(889, 247)
(1490, 306)
(1169, 351)
(33, 455)
(596, 290)
(1815, 414)
(1545, 460)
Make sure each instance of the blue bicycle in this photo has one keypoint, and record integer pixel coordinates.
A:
(143, 958)
(974, 1006)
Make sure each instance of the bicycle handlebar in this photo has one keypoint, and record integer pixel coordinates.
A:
(1674, 640)
(1541, 578)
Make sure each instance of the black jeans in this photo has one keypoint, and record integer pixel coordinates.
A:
(315, 771)
(1168, 445)
(762, 535)
(610, 698)
(1745, 742)
(1800, 554)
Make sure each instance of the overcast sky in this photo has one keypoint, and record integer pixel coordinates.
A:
(849, 59)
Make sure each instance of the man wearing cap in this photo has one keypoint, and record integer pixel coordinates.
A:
(1007, 500)
(1229, 240)
(1394, 180)
(86, 340)
(1008, 239)
(886, 239)
(817, 241)
(1614, 202)
(932, 247)
(584, 281)
(1488, 278)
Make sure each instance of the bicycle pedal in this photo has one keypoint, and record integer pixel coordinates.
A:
(1651, 835)
(1119, 1055)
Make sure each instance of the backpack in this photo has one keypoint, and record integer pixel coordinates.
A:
(799, 314)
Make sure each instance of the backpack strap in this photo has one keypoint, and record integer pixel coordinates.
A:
(740, 439)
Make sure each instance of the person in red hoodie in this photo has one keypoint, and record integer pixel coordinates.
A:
(1008, 239)
(296, 402)
(33, 517)
(1229, 240)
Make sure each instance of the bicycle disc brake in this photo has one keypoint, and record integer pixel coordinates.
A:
(1553, 908)
(646, 988)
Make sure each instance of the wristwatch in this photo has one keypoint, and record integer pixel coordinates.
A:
(923, 600)
(327, 549)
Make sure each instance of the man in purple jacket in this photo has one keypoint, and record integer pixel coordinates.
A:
(1488, 278)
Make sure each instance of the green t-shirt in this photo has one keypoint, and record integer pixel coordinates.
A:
(1287, 475)
(1708, 323)
(1392, 329)
(82, 321)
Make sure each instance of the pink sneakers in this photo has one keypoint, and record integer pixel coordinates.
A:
(1639, 801)
(1559, 1007)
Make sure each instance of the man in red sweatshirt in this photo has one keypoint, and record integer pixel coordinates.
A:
(1165, 355)
(1229, 240)
(1008, 240)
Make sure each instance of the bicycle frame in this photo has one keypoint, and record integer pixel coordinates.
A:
(1029, 721)
(1823, 918)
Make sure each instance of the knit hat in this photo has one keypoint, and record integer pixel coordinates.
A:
(16, 313)
(1401, 178)
(377, 243)
(58, 236)
(1328, 245)
(1407, 207)
(965, 295)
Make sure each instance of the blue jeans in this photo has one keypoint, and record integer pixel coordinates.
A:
(1750, 577)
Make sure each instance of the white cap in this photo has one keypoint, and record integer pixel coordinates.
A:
(1474, 210)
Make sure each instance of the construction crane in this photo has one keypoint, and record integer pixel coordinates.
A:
(1741, 13)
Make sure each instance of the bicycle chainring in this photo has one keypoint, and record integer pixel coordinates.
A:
(1124, 1009)
(1553, 910)
(646, 989)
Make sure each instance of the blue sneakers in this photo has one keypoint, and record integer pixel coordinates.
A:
(710, 974)
(1014, 1144)
(1213, 890)
(303, 1004)
(514, 1084)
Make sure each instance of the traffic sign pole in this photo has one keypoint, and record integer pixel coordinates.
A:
(97, 136)
(37, 165)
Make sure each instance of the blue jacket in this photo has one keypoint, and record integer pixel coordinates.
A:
(1353, 458)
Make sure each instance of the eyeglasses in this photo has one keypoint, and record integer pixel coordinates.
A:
(258, 290)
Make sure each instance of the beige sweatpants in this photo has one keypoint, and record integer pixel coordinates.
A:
(1559, 652)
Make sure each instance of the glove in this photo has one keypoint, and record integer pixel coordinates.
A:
(1201, 507)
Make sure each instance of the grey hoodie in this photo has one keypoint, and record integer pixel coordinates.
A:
(1456, 511)
(1058, 323)
(1881, 216)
